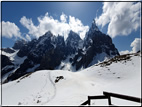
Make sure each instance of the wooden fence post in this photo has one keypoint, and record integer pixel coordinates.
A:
(109, 100)
(89, 100)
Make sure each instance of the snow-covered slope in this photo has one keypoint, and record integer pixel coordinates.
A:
(59, 87)
(15, 60)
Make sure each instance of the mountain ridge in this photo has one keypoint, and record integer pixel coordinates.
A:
(50, 51)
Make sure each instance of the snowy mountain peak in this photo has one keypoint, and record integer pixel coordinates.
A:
(73, 39)
(73, 35)
(94, 27)
(94, 22)
(72, 42)
(48, 33)
(47, 37)
(19, 43)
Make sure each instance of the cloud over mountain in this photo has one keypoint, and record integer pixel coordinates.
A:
(47, 23)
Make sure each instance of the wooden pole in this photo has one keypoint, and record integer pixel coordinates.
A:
(89, 100)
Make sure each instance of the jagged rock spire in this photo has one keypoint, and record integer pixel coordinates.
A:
(94, 26)
(94, 21)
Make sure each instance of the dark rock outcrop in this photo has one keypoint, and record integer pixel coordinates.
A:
(72, 43)
(5, 61)
(6, 65)
(19, 44)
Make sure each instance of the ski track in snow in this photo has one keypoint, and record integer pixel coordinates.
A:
(42, 89)
(54, 87)
(43, 92)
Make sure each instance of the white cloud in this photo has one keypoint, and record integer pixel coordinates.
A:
(124, 52)
(29, 25)
(122, 17)
(10, 30)
(47, 23)
(63, 18)
(136, 45)
(77, 26)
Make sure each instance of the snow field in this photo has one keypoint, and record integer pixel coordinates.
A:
(40, 87)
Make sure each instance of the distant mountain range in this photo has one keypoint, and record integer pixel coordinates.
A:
(52, 52)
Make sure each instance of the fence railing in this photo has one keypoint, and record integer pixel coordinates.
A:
(108, 95)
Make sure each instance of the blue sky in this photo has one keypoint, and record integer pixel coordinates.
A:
(21, 20)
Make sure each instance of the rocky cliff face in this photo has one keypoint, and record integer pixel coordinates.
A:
(19, 43)
(49, 51)
(97, 46)
(72, 43)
